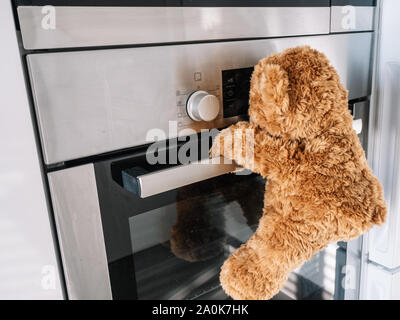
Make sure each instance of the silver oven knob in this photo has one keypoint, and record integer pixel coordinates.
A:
(202, 106)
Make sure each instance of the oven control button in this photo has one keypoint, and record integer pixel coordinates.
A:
(202, 106)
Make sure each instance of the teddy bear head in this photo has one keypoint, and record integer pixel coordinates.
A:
(297, 94)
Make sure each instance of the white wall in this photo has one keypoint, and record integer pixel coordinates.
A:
(28, 263)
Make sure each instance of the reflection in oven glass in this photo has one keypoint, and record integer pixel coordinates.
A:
(180, 247)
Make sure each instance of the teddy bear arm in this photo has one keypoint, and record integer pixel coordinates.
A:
(247, 145)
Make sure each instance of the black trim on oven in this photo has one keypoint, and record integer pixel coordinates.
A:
(121, 271)
(360, 3)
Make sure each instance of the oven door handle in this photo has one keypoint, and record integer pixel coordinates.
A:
(154, 183)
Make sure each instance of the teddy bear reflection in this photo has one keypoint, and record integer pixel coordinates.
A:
(200, 233)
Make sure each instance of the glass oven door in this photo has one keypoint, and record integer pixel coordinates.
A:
(167, 239)
(171, 245)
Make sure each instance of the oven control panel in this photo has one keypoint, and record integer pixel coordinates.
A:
(209, 103)
(114, 99)
(199, 108)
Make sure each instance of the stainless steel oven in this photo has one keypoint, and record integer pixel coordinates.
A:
(109, 76)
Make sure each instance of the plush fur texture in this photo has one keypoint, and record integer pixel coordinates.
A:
(320, 188)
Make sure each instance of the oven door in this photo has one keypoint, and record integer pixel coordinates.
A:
(130, 230)
(168, 229)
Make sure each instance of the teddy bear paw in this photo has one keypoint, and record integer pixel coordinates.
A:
(243, 277)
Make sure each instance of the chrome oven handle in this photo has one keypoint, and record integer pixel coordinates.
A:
(172, 178)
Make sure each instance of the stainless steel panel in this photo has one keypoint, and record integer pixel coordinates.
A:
(104, 26)
(381, 283)
(29, 266)
(91, 102)
(383, 240)
(352, 18)
(381, 276)
(176, 177)
(80, 233)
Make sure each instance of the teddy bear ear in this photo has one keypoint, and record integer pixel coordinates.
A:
(271, 82)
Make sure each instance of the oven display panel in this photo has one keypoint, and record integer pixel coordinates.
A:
(236, 88)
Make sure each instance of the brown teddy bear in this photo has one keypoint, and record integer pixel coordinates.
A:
(319, 189)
